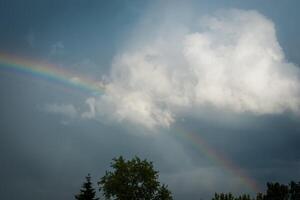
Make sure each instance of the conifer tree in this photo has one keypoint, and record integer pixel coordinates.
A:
(87, 192)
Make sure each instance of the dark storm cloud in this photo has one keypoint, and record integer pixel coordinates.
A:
(260, 143)
(46, 156)
(88, 29)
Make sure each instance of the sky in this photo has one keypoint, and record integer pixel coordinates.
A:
(207, 90)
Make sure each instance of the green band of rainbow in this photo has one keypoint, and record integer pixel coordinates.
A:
(56, 74)
(218, 158)
(50, 73)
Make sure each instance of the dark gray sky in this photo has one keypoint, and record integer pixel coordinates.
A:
(225, 72)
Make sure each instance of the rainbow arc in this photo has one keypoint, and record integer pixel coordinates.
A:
(57, 74)
(51, 73)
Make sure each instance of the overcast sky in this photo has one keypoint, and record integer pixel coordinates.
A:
(207, 90)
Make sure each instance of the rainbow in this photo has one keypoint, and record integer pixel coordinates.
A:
(56, 74)
(218, 158)
(51, 73)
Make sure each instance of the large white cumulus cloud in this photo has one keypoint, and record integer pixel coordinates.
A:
(232, 62)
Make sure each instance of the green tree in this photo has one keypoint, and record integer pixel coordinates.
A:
(244, 197)
(87, 192)
(276, 191)
(229, 196)
(134, 179)
(260, 196)
(223, 196)
(163, 193)
(294, 190)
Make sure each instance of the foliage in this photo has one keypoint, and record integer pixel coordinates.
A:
(244, 197)
(133, 180)
(260, 196)
(294, 191)
(136, 179)
(275, 191)
(87, 192)
(163, 193)
(229, 196)
(223, 196)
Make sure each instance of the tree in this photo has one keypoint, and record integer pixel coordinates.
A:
(260, 196)
(163, 193)
(223, 196)
(294, 190)
(134, 179)
(87, 192)
(229, 196)
(244, 197)
(276, 191)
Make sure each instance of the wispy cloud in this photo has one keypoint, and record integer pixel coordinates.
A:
(57, 48)
(91, 112)
(62, 109)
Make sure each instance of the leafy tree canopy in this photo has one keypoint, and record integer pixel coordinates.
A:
(133, 179)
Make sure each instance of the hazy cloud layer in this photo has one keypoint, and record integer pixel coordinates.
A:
(232, 62)
(62, 109)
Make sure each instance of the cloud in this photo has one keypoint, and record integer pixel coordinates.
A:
(70, 111)
(64, 109)
(231, 62)
(57, 48)
(91, 113)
